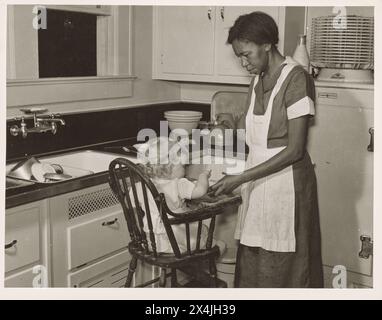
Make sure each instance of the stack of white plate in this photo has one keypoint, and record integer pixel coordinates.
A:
(183, 119)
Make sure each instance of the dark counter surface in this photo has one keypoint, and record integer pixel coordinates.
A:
(16, 196)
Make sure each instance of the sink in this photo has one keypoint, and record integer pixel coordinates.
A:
(16, 183)
(76, 164)
(87, 162)
(95, 161)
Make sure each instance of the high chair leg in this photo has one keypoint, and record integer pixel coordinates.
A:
(163, 278)
(174, 280)
(132, 267)
(213, 273)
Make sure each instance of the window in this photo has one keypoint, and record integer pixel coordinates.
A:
(68, 46)
(47, 68)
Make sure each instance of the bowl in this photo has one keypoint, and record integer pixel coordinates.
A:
(188, 126)
(183, 119)
(23, 169)
(183, 113)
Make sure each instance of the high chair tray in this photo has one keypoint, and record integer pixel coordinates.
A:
(210, 200)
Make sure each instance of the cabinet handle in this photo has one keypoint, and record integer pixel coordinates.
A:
(367, 247)
(10, 245)
(370, 147)
(222, 13)
(209, 14)
(109, 223)
(331, 95)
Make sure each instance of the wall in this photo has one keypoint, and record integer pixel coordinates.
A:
(144, 91)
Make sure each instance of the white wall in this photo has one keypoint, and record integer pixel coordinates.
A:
(145, 90)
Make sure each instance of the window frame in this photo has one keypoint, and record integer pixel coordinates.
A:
(109, 83)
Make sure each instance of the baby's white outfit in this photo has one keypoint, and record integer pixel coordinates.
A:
(176, 191)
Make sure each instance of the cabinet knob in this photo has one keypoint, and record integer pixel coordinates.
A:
(209, 14)
(370, 147)
(367, 247)
(222, 13)
(11, 244)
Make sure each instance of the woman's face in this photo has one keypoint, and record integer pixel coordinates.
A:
(253, 57)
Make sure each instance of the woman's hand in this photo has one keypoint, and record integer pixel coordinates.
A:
(226, 185)
(226, 120)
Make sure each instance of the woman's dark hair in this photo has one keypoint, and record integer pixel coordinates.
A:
(257, 27)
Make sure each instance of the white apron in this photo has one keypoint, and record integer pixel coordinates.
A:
(267, 213)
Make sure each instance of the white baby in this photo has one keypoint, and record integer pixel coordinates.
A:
(169, 179)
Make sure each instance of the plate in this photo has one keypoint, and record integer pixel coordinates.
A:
(39, 169)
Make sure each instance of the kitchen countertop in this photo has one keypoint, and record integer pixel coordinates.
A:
(38, 191)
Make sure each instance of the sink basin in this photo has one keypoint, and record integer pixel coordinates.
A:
(87, 162)
(16, 183)
(77, 164)
(95, 161)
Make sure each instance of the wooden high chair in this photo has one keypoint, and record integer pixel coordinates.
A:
(124, 175)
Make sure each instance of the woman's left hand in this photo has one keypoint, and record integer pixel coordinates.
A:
(226, 185)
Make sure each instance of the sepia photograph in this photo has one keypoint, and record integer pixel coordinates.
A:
(202, 146)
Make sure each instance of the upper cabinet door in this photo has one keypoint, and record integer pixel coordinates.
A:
(186, 38)
(190, 42)
(227, 64)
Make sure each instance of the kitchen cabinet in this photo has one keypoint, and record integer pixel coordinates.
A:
(187, 36)
(27, 246)
(338, 146)
(190, 42)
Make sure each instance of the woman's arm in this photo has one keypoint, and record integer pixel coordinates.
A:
(297, 137)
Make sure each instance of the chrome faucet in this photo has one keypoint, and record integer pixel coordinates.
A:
(43, 123)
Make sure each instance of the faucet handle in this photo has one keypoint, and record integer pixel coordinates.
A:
(34, 110)
(19, 119)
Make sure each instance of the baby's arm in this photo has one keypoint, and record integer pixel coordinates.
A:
(201, 186)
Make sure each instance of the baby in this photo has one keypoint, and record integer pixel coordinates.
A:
(169, 179)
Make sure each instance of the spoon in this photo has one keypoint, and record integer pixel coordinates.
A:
(56, 176)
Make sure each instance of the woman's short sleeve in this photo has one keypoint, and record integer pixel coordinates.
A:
(300, 94)
(185, 188)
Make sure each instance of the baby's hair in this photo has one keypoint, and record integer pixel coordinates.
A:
(157, 170)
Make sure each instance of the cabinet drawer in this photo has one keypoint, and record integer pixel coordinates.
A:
(22, 237)
(110, 272)
(96, 238)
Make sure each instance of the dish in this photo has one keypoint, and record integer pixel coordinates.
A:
(40, 169)
(22, 170)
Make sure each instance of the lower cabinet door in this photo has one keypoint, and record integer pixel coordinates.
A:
(34, 277)
(22, 236)
(96, 238)
(111, 273)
